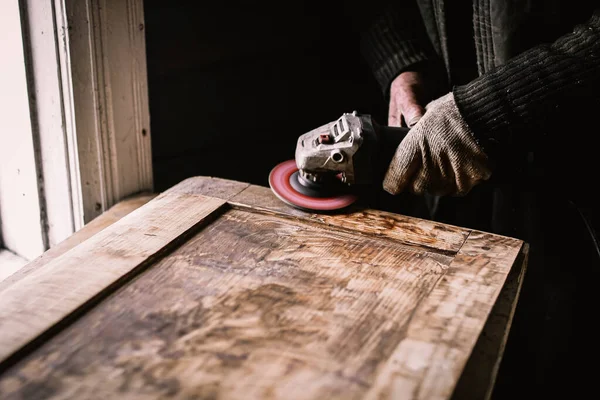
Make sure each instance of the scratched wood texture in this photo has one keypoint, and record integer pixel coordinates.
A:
(259, 301)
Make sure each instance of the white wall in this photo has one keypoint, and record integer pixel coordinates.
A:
(20, 224)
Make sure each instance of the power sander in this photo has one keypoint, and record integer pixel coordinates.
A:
(335, 160)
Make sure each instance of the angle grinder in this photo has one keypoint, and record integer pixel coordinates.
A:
(333, 161)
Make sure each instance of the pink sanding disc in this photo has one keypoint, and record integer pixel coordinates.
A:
(279, 180)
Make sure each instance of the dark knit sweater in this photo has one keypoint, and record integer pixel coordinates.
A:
(532, 64)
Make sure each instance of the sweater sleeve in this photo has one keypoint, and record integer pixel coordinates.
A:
(520, 98)
(395, 40)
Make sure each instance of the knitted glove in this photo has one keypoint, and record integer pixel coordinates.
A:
(439, 155)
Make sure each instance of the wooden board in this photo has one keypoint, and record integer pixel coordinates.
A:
(479, 375)
(240, 296)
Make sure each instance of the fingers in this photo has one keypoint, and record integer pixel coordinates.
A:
(470, 176)
(404, 112)
(403, 167)
(412, 113)
(424, 182)
(394, 115)
(407, 99)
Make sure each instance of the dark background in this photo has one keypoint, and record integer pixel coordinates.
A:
(232, 85)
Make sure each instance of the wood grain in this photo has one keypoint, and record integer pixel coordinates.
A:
(257, 306)
(46, 296)
(209, 186)
(409, 230)
(479, 375)
(445, 327)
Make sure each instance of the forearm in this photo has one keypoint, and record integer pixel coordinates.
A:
(512, 105)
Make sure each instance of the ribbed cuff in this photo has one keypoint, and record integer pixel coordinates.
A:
(485, 106)
(487, 102)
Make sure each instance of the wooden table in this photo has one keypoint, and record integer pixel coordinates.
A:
(216, 289)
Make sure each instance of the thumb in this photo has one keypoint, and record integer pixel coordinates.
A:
(412, 114)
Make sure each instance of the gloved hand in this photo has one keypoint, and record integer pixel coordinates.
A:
(439, 155)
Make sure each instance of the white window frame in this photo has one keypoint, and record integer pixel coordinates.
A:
(88, 99)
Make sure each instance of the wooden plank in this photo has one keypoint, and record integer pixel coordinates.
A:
(442, 334)
(42, 299)
(209, 186)
(479, 375)
(106, 219)
(409, 230)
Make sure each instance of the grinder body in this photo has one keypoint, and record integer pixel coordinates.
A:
(353, 147)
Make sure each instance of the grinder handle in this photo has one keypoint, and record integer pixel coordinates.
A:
(389, 137)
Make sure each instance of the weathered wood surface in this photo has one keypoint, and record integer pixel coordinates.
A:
(207, 186)
(43, 298)
(264, 301)
(479, 375)
(443, 330)
(413, 231)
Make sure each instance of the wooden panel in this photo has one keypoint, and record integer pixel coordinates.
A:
(261, 306)
(444, 328)
(479, 376)
(43, 298)
(414, 231)
(208, 186)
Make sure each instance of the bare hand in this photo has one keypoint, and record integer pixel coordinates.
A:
(408, 97)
